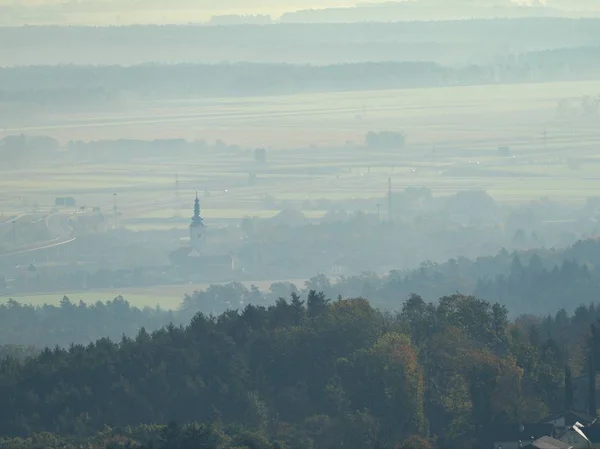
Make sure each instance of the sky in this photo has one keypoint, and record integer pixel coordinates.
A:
(148, 11)
(119, 12)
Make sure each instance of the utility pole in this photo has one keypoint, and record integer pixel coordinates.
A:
(115, 209)
(83, 220)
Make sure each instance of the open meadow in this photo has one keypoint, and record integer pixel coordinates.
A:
(168, 297)
(314, 146)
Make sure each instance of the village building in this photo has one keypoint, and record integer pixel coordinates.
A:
(582, 437)
(518, 436)
(193, 257)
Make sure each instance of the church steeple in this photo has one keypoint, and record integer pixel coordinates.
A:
(197, 219)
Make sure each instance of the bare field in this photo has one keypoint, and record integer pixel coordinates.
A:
(452, 133)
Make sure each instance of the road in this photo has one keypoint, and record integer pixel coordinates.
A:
(58, 227)
(16, 219)
(39, 248)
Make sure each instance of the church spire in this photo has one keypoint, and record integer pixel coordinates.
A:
(197, 219)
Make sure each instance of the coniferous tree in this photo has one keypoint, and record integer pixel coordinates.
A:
(592, 409)
(568, 388)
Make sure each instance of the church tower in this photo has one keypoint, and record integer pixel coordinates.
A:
(196, 227)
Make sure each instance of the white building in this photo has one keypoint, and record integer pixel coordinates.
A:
(197, 229)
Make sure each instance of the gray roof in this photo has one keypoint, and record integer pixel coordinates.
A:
(592, 433)
(571, 417)
(546, 442)
(515, 432)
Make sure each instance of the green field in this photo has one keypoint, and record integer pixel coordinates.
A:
(169, 297)
(452, 133)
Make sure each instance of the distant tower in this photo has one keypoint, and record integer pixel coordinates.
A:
(196, 227)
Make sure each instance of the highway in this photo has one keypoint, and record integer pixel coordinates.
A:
(47, 245)
(58, 227)
(16, 219)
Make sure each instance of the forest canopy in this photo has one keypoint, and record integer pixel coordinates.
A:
(304, 373)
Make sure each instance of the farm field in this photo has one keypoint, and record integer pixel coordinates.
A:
(427, 115)
(169, 297)
(314, 152)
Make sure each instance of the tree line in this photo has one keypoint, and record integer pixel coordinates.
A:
(83, 84)
(531, 282)
(517, 32)
(302, 373)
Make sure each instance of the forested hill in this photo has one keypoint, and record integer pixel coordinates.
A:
(88, 84)
(447, 42)
(540, 282)
(319, 373)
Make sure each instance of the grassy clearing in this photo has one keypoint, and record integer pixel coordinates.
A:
(168, 297)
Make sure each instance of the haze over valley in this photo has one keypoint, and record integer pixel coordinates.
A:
(299, 225)
(228, 12)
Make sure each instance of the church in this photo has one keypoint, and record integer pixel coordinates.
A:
(196, 230)
(192, 256)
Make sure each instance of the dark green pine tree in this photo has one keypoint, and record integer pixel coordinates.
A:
(568, 388)
(592, 408)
